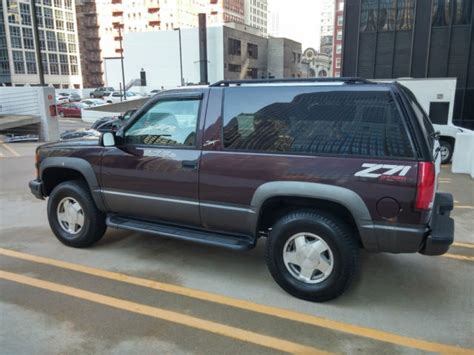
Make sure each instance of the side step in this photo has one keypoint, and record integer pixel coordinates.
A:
(237, 242)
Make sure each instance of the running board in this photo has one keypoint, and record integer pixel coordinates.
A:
(237, 242)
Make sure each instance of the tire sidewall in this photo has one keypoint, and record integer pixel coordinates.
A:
(449, 146)
(342, 259)
(60, 192)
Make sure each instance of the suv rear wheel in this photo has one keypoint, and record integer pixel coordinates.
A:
(446, 151)
(312, 255)
(73, 215)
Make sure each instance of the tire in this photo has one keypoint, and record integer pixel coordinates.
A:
(446, 151)
(342, 253)
(93, 221)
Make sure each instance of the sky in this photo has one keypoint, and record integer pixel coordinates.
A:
(297, 19)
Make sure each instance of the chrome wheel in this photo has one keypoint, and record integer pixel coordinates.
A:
(308, 258)
(70, 215)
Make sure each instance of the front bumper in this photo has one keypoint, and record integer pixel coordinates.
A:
(441, 227)
(36, 188)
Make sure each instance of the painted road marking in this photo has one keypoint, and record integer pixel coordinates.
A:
(174, 317)
(347, 328)
(10, 149)
(458, 257)
(465, 207)
(463, 245)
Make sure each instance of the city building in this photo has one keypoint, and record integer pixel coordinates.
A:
(318, 64)
(337, 37)
(224, 11)
(103, 23)
(256, 14)
(57, 30)
(420, 39)
(327, 27)
(235, 51)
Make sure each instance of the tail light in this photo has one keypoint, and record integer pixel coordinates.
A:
(37, 162)
(425, 186)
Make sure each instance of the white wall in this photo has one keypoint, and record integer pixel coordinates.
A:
(31, 101)
(158, 54)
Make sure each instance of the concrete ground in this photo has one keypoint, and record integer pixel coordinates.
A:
(135, 293)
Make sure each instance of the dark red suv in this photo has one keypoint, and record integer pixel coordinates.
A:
(320, 168)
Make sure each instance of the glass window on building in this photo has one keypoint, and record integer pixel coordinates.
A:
(74, 67)
(58, 3)
(53, 64)
(405, 14)
(47, 2)
(339, 35)
(25, 14)
(18, 62)
(42, 40)
(39, 16)
(13, 11)
(64, 64)
(51, 40)
(48, 18)
(252, 50)
(15, 37)
(62, 45)
(68, 4)
(338, 49)
(387, 14)
(340, 20)
(456, 12)
(28, 42)
(234, 47)
(368, 15)
(30, 59)
(44, 60)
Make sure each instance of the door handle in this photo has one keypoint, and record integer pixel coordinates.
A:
(191, 164)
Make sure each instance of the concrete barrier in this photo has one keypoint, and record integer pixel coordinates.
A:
(463, 156)
(94, 113)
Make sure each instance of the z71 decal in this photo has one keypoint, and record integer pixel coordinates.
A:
(378, 170)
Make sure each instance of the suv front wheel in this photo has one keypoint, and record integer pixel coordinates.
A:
(73, 216)
(312, 255)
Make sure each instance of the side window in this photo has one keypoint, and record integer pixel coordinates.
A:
(311, 120)
(171, 122)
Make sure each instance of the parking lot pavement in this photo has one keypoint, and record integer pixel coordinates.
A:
(138, 293)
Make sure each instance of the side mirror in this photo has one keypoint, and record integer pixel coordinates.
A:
(108, 139)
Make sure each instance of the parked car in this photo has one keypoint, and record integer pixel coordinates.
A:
(71, 109)
(93, 102)
(117, 96)
(68, 97)
(319, 170)
(112, 124)
(99, 92)
(79, 133)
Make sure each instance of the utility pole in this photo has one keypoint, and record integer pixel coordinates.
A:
(180, 56)
(39, 59)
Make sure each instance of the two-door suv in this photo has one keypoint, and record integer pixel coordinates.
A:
(320, 168)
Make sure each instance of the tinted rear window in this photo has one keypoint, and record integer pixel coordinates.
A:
(312, 120)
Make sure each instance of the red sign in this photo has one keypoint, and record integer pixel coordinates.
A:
(50, 97)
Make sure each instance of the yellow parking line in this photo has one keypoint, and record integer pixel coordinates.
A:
(463, 245)
(174, 317)
(465, 207)
(10, 149)
(246, 305)
(459, 257)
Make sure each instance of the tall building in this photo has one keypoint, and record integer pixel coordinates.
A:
(222, 11)
(327, 17)
(103, 23)
(256, 14)
(337, 37)
(420, 39)
(58, 43)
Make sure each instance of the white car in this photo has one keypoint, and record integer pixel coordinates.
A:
(117, 96)
(93, 102)
(60, 99)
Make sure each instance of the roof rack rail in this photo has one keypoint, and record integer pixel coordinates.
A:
(347, 80)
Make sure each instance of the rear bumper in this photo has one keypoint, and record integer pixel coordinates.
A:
(432, 239)
(441, 227)
(36, 188)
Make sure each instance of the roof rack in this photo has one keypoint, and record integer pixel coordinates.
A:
(346, 80)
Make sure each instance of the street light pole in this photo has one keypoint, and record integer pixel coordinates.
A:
(36, 40)
(180, 56)
(121, 62)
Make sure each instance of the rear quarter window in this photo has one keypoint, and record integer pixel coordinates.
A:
(312, 120)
